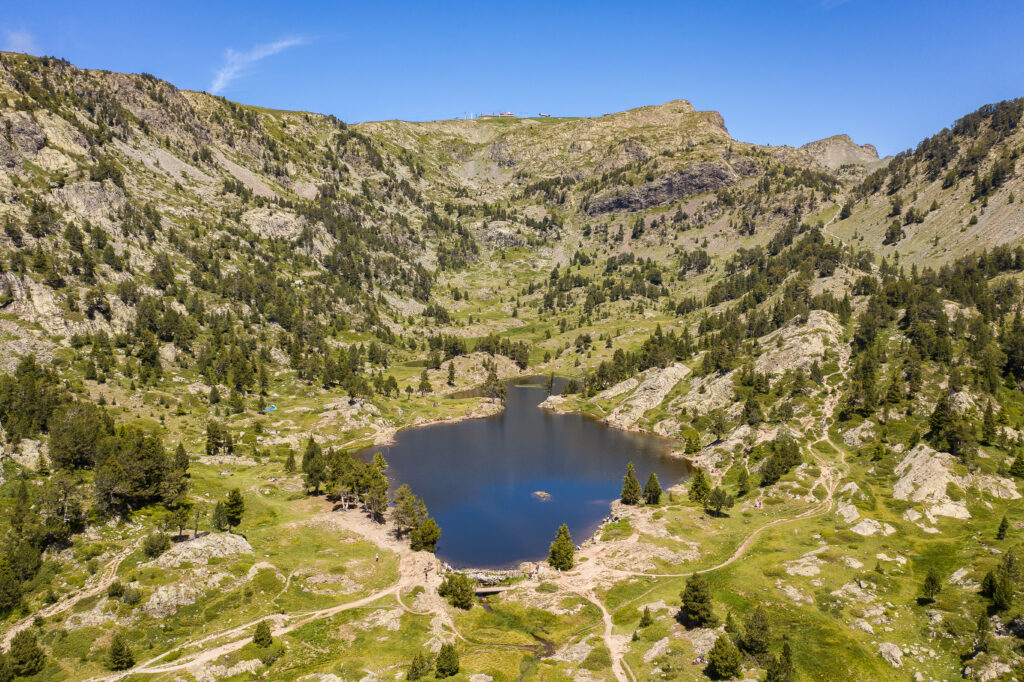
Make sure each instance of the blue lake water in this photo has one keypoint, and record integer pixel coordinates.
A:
(478, 477)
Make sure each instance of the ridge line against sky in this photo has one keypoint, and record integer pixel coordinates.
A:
(888, 74)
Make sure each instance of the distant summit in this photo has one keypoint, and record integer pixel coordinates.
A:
(840, 150)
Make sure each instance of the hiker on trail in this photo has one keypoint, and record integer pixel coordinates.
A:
(378, 557)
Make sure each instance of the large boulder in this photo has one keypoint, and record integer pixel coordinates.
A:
(892, 654)
(924, 475)
(199, 551)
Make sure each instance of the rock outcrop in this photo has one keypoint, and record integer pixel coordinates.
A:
(655, 385)
(696, 179)
(840, 150)
(200, 550)
(926, 476)
(892, 654)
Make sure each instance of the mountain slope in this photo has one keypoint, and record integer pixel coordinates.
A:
(198, 297)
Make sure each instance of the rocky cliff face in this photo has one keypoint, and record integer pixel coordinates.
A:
(696, 179)
(840, 150)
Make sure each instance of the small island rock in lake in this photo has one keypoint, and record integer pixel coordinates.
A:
(541, 495)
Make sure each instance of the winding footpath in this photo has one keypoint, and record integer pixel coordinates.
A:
(421, 569)
(106, 579)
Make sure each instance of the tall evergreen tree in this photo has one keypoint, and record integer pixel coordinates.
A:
(375, 497)
(313, 465)
(404, 513)
(425, 535)
(932, 584)
(743, 485)
(652, 489)
(700, 487)
(724, 660)
(119, 655)
(696, 598)
(457, 588)
(262, 636)
(718, 500)
(561, 554)
(27, 658)
(10, 587)
(1004, 526)
(6, 669)
(757, 633)
(752, 413)
(631, 490)
(220, 516)
(1003, 592)
(420, 667)
(988, 425)
(983, 640)
(234, 508)
(447, 661)
(1017, 468)
(780, 668)
(181, 458)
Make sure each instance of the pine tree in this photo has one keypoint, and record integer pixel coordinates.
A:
(220, 516)
(780, 668)
(181, 458)
(119, 656)
(723, 660)
(234, 508)
(1004, 526)
(289, 462)
(1017, 468)
(447, 661)
(314, 466)
(732, 627)
(10, 587)
(562, 550)
(1002, 592)
(700, 487)
(718, 500)
(984, 638)
(631, 490)
(696, 598)
(752, 413)
(988, 425)
(420, 667)
(646, 619)
(262, 637)
(451, 373)
(375, 499)
(757, 633)
(404, 514)
(932, 584)
(425, 535)
(6, 670)
(743, 485)
(457, 588)
(652, 490)
(26, 657)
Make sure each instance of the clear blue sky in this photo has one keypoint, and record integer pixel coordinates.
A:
(780, 72)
